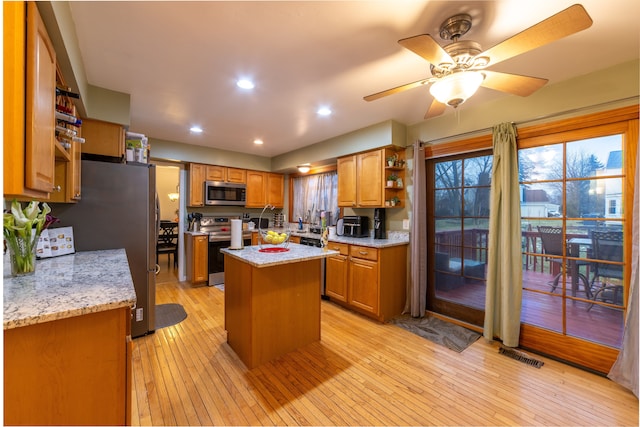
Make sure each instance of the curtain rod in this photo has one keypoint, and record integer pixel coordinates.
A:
(526, 122)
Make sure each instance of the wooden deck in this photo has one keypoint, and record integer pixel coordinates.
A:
(600, 324)
(361, 373)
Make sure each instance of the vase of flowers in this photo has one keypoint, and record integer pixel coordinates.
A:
(22, 228)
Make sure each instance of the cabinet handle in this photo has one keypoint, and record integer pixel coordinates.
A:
(363, 252)
(57, 188)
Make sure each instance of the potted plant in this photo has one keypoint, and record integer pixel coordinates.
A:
(391, 180)
(391, 160)
(395, 201)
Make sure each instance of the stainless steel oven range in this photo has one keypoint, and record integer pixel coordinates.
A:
(219, 229)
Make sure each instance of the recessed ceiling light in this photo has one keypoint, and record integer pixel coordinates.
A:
(245, 84)
(257, 141)
(195, 129)
(324, 111)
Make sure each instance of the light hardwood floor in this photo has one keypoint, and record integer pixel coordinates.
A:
(360, 373)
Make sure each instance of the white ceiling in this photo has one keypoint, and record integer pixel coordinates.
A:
(179, 61)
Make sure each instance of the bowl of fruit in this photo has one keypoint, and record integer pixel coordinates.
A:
(272, 240)
(274, 237)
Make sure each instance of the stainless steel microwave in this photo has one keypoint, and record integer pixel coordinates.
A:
(224, 193)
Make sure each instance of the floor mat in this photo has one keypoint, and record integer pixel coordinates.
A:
(169, 315)
(439, 331)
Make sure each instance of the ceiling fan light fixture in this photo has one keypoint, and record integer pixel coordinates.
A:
(456, 88)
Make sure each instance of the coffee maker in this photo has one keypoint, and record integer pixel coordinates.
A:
(378, 224)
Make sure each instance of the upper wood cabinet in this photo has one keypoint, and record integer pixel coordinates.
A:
(264, 188)
(237, 175)
(197, 174)
(275, 190)
(256, 185)
(29, 103)
(103, 138)
(362, 179)
(225, 174)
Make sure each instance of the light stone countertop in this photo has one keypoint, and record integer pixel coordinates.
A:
(67, 286)
(394, 238)
(296, 253)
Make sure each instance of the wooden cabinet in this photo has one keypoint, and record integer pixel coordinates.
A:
(68, 161)
(103, 138)
(197, 258)
(363, 278)
(369, 280)
(347, 181)
(29, 80)
(275, 189)
(264, 188)
(196, 184)
(256, 185)
(225, 174)
(215, 173)
(237, 175)
(294, 239)
(337, 269)
(362, 180)
(73, 371)
(369, 179)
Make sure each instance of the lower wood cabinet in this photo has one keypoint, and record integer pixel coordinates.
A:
(197, 258)
(369, 280)
(72, 371)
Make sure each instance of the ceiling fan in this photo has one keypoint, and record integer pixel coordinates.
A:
(459, 68)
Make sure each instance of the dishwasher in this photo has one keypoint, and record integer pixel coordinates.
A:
(315, 241)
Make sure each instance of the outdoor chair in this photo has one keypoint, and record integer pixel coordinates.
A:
(552, 244)
(607, 247)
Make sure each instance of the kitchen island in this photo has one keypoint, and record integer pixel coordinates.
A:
(67, 341)
(272, 300)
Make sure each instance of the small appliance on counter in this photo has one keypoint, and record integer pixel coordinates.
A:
(356, 226)
(378, 224)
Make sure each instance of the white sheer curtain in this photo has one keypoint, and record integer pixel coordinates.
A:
(625, 370)
(417, 294)
(504, 263)
(315, 193)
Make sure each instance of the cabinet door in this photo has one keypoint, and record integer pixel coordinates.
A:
(200, 259)
(196, 184)
(347, 181)
(336, 277)
(363, 285)
(216, 173)
(275, 189)
(256, 184)
(77, 171)
(370, 185)
(103, 138)
(237, 175)
(40, 104)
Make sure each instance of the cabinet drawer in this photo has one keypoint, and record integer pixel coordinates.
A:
(343, 248)
(363, 252)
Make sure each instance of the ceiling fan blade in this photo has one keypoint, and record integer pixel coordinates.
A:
(425, 46)
(571, 20)
(512, 83)
(436, 109)
(402, 88)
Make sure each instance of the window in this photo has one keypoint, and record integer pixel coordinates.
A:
(313, 194)
(612, 207)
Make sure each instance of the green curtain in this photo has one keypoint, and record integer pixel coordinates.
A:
(504, 266)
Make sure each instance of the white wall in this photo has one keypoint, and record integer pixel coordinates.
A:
(167, 180)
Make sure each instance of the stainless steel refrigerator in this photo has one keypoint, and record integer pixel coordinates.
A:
(118, 209)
